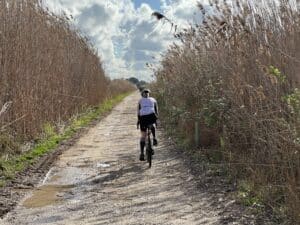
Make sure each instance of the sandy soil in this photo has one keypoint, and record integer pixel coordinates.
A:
(99, 180)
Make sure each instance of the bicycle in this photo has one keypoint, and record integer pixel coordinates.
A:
(148, 143)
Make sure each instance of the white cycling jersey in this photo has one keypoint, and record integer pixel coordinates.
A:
(147, 106)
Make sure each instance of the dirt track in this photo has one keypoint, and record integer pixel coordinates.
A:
(100, 180)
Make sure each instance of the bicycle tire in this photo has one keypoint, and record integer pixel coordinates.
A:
(149, 153)
(149, 150)
(149, 158)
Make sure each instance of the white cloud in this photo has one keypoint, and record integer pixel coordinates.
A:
(125, 37)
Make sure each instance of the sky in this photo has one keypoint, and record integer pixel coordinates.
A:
(124, 32)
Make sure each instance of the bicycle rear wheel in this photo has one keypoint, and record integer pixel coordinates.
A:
(149, 154)
(149, 147)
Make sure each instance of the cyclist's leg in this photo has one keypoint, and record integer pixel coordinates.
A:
(154, 136)
(142, 145)
(153, 129)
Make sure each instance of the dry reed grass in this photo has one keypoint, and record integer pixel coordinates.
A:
(48, 70)
(118, 86)
(237, 73)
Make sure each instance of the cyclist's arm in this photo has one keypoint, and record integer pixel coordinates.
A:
(138, 110)
(138, 115)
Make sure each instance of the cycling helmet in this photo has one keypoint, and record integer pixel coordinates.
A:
(144, 91)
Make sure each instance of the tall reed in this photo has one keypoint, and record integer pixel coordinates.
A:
(237, 73)
(48, 70)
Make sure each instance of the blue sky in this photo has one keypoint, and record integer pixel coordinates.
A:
(124, 32)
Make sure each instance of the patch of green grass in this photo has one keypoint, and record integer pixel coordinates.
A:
(248, 196)
(8, 168)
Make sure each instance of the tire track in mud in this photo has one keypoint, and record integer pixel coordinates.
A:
(99, 180)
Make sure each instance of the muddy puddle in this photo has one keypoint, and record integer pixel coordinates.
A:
(46, 195)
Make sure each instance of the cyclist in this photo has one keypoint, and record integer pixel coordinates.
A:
(147, 115)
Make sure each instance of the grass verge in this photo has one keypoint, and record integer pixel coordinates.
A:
(10, 167)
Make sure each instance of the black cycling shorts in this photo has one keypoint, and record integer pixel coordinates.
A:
(147, 120)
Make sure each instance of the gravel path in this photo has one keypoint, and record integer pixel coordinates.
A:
(100, 180)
